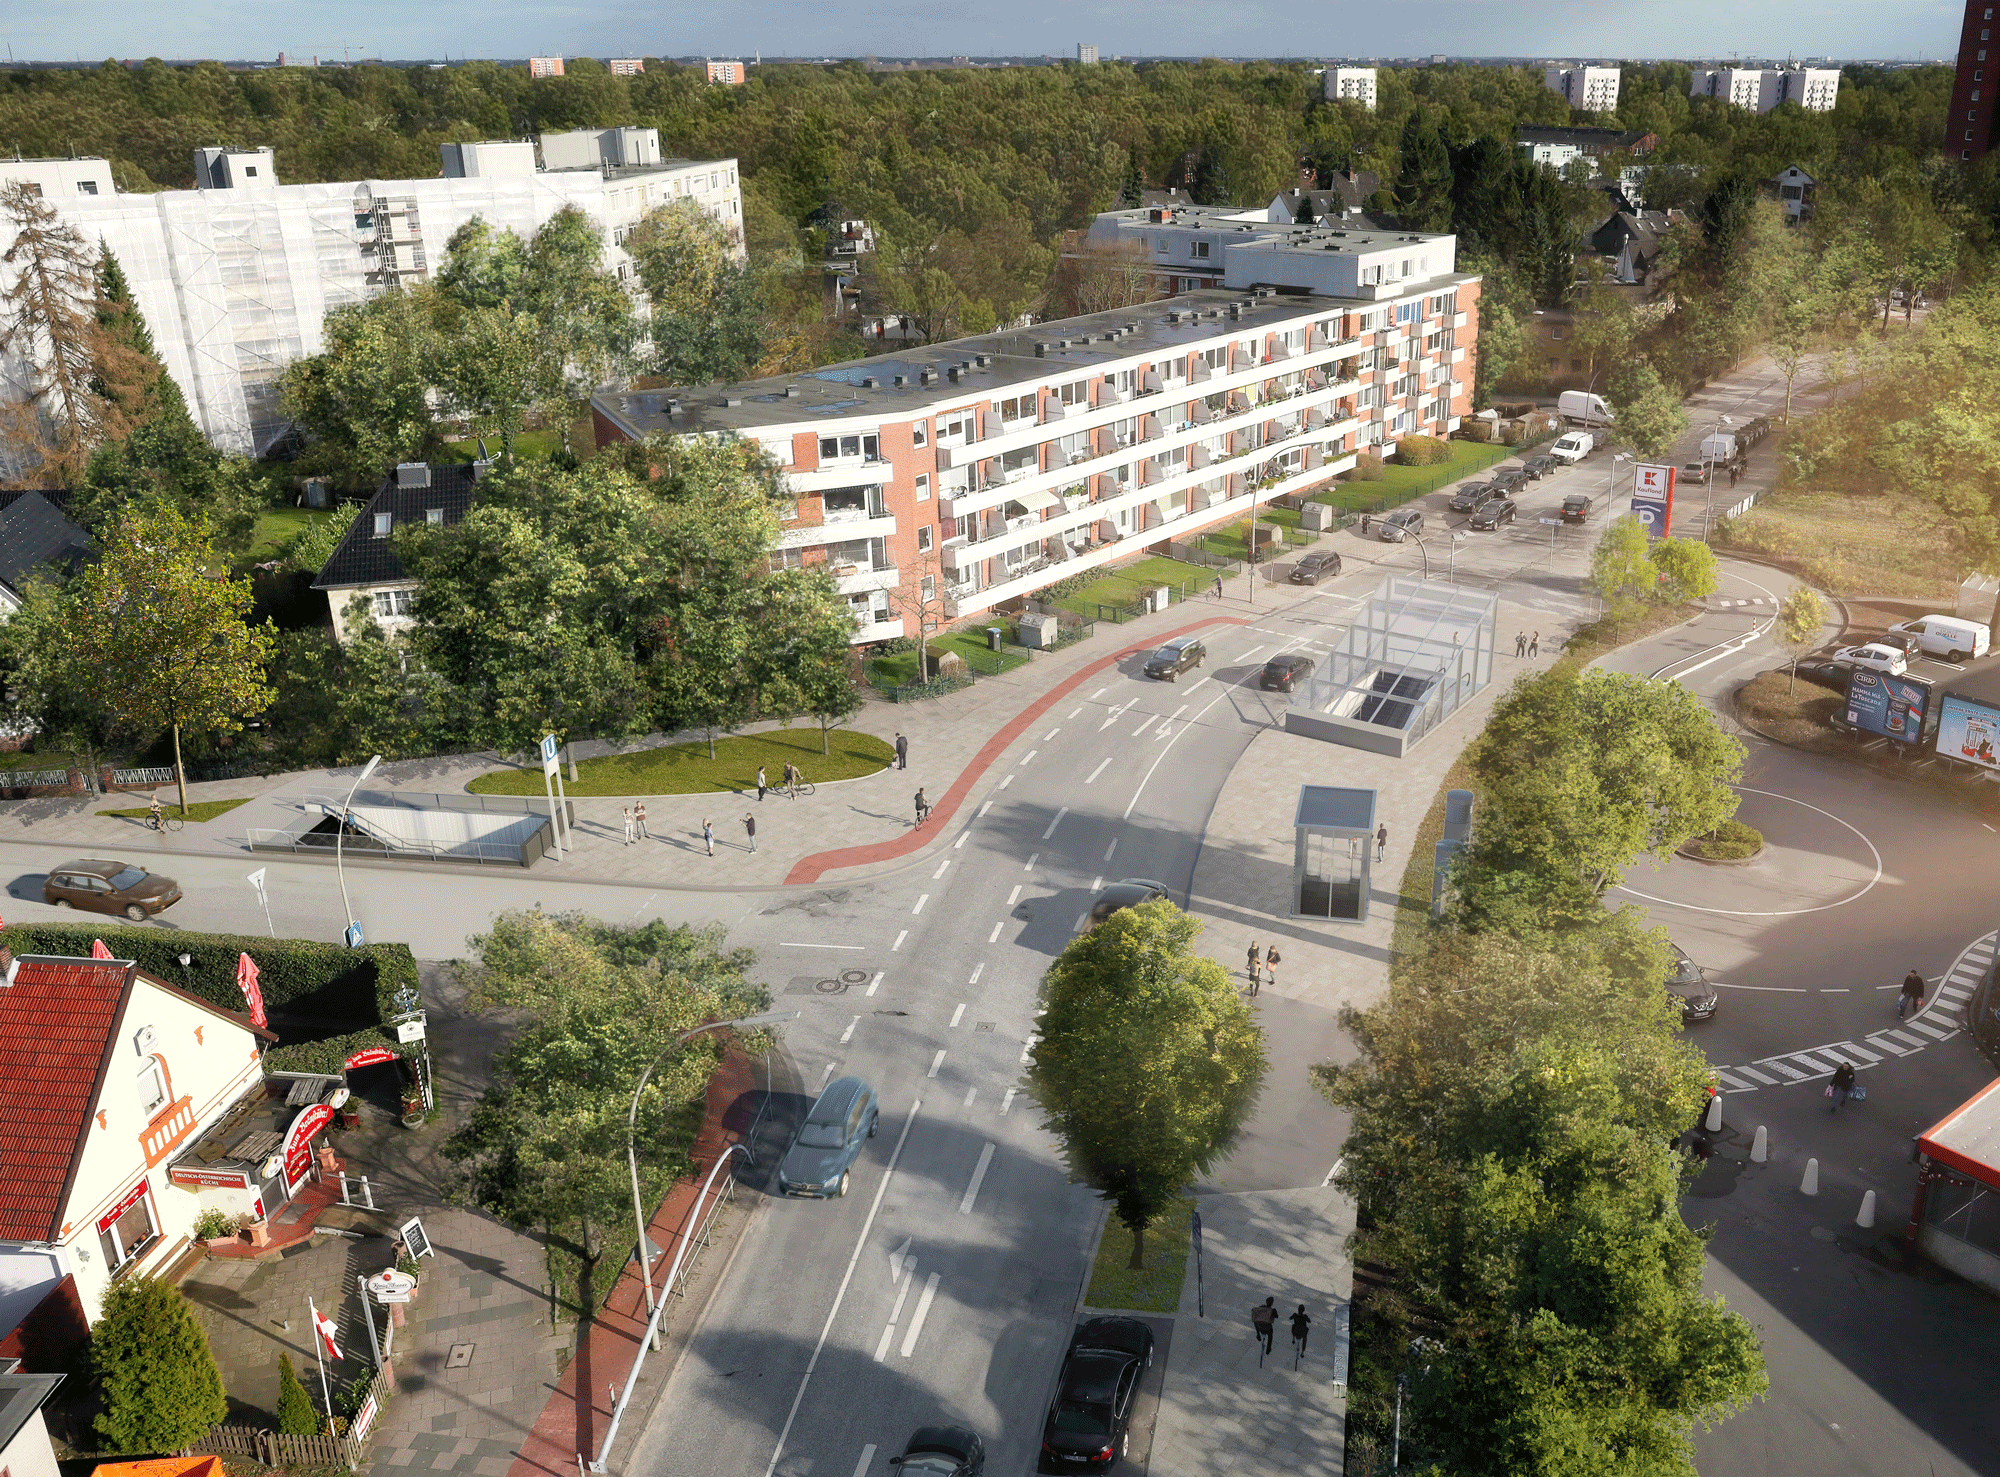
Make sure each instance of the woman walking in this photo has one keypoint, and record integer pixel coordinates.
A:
(1271, 967)
(708, 834)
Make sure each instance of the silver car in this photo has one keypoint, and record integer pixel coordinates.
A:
(1400, 524)
(823, 1151)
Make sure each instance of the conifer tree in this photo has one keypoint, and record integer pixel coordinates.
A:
(161, 1388)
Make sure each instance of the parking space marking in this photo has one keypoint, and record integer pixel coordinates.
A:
(956, 1016)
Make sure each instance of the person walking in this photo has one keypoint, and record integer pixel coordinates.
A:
(791, 781)
(923, 805)
(1271, 957)
(708, 835)
(750, 829)
(1842, 1086)
(1535, 644)
(639, 821)
(902, 752)
(1520, 643)
(1301, 1329)
(1254, 968)
(627, 813)
(761, 786)
(1264, 1319)
(1381, 840)
(1912, 998)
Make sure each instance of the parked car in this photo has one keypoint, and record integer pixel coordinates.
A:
(1576, 508)
(1470, 495)
(1282, 673)
(1182, 654)
(1825, 672)
(1539, 467)
(1694, 474)
(1400, 524)
(942, 1451)
(1572, 448)
(1910, 646)
(99, 886)
(1873, 658)
(1492, 515)
(1312, 568)
(1947, 636)
(1687, 984)
(824, 1149)
(1089, 1421)
(1509, 478)
(1129, 893)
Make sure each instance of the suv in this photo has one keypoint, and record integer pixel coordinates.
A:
(829, 1141)
(1508, 478)
(1539, 467)
(110, 887)
(1312, 568)
(1687, 984)
(1492, 515)
(1282, 673)
(1470, 495)
(1576, 508)
(1176, 657)
(1400, 524)
(1130, 893)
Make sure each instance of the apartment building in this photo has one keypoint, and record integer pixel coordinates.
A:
(1356, 84)
(626, 66)
(968, 473)
(1589, 89)
(1556, 147)
(1086, 54)
(1760, 89)
(60, 179)
(545, 66)
(1968, 129)
(730, 74)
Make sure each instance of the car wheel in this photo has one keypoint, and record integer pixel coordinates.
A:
(63, 902)
(873, 1124)
(844, 1177)
(1173, 676)
(1955, 657)
(136, 913)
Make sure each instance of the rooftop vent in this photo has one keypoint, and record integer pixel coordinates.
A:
(792, 392)
(983, 359)
(927, 375)
(1041, 350)
(481, 468)
(957, 372)
(413, 474)
(673, 407)
(869, 382)
(901, 380)
(1174, 317)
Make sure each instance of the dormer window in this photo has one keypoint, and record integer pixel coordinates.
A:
(382, 524)
(434, 517)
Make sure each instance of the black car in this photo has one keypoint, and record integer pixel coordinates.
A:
(942, 1451)
(1492, 515)
(1539, 467)
(1129, 893)
(1312, 568)
(1576, 508)
(1283, 672)
(1825, 672)
(1400, 524)
(1690, 986)
(1902, 641)
(1470, 495)
(1090, 1419)
(100, 886)
(1509, 478)
(1177, 656)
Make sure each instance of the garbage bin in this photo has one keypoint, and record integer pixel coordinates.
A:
(993, 634)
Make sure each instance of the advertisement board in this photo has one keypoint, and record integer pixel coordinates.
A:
(1895, 707)
(1653, 498)
(1968, 731)
(298, 1142)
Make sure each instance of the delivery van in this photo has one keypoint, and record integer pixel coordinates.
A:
(1577, 405)
(1719, 448)
(1946, 636)
(1572, 448)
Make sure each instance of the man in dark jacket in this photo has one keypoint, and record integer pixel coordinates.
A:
(1912, 998)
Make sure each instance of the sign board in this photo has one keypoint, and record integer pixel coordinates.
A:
(257, 879)
(1968, 731)
(1552, 520)
(1895, 707)
(298, 1140)
(364, 1418)
(355, 938)
(408, 1031)
(1653, 498)
(228, 1179)
(131, 1198)
(551, 746)
(368, 1056)
(415, 1242)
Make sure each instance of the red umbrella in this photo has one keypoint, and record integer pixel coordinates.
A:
(246, 981)
(97, 949)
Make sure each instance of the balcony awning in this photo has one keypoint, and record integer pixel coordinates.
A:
(1034, 502)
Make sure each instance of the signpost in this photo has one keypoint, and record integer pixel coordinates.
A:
(1200, 1289)
(1653, 498)
(256, 880)
(552, 783)
(298, 1142)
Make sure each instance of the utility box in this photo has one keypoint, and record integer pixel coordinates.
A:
(1154, 598)
(1315, 517)
(994, 636)
(1039, 631)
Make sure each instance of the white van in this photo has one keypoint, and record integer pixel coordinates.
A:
(1572, 448)
(1946, 636)
(1718, 448)
(1576, 405)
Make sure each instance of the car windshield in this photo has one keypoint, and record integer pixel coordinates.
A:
(130, 877)
(931, 1464)
(1082, 1418)
(821, 1136)
(1167, 654)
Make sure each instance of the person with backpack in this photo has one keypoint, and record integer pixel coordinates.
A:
(1301, 1327)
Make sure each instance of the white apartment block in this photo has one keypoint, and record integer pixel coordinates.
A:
(1086, 53)
(1357, 84)
(236, 279)
(626, 66)
(545, 66)
(1816, 89)
(1591, 89)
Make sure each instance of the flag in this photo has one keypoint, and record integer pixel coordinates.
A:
(323, 1326)
(97, 949)
(246, 981)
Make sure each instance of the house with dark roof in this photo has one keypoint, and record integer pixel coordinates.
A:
(1345, 199)
(1630, 241)
(365, 563)
(106, 1075)
(35, 535)
(1557, 146)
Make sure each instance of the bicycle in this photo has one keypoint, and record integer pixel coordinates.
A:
(163, 823)
(801, 787)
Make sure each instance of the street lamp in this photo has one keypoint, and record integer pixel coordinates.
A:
(340, 835)
(1708, 476)
(632, 1130)
(1427, 554)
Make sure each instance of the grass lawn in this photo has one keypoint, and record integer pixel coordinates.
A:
(1156, 1287)
(901, 666)
(1122, 586)
(1399, 483)
(686, 769)
(23, 759)
(1850, 545)
(201, 810)
(1232, 541)
(529, 446)
(274, 526)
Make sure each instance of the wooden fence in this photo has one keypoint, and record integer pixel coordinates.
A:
(274, 1449)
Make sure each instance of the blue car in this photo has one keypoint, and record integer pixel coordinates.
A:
(829, 1141)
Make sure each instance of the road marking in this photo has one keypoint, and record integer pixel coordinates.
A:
(1033, 857)
(1140, 731)
(826, 1074)
(1889, 1046)
(1111, 848)
(1847, 1051)
(1054, 823)
(1096, 772)
(1177, 712)
(1007, 1101)
(867, 1456)
(899, 941)
(1074, 711)
(896, 1263)
(1028, 1046)
(963, 837)
(889, 1333)
(1934, 1034)
(1905, 1038)
(1169, 748)
(1081, 919)
(983, 809)
(848, 1035)
(970, 1094)
(1052, 733)
(882, 1352)
(1791, 1072)
(994, 937)
(1768, 989)
(1983, 823)
(923, 1311)
(1732, 1083)
(956, 1016)
(926, 897)
(1761, 1077)
(1014, 896)
(1029, 755)
(1097, 694)
(1333, 1171)
(936, 1062)
(1095, 883)
(977, 970)
(1005, 781)
(978, 1176)
(876, 983)
(820, 946)
(1842, 990)
(1783, 912)
(940, 871)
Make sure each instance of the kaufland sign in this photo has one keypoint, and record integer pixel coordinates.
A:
(1653, 498)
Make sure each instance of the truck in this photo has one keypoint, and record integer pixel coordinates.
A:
(1584, 408)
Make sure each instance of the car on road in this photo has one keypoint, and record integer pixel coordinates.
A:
(1492, 515)
(1687, 984)
(1694, 474)
(1825, 671)
(99, 886)
(1873, 657)
(1910, 646)
(1400, 524)
(823, 1151)
(1470, 495)
(1539, 467)
(1090, 1419)
(1572, 448)
(1312, 568)
(1508, 478)
(1129, 893)
(1285, 671)
(1182, 654)
(1576, 508)
(942, 1451)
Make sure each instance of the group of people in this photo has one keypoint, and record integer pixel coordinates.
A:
(789, 783)
(1264, 1319)
(1262, 969)
(1527, 644)
(635, 823)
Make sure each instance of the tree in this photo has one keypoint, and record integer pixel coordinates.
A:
(1424, 187)
(297, 1416)
(165, 641)
(804, 653)
(1649, 417)
(911, 283)
(1620, 570)
(1102, 279)
(158, 1377)
(1801, 618)
(707, 308)
(365, 398)
(48, 690)
(1148, 1062)
(1686, 570)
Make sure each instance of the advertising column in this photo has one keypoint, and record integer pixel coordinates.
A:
(1653, 498)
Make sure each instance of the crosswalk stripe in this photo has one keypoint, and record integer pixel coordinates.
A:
(1819, 1068)
(1905, 1038)
(1953, 993)
(1965, 976)
(1860, 1055)
(1930, 1031)
(1791, 1072)
(1889, 1046)
(1735, 1084)
(1753, 1072)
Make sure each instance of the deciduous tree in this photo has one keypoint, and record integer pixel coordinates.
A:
(1801, 618)
(707, 307)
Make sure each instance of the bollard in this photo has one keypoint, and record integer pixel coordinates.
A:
(1760, 1146)
(1714, 1120)
(1810, 1184)
(1867, 1217)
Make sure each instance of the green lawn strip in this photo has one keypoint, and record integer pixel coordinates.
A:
(1233, 542)
(201, 810)
(900, 667)
(1399, 483)
(686, 769)
(23, 759)
(1122, 586)
(1156, 1287)
(273, 527)
(529, 446)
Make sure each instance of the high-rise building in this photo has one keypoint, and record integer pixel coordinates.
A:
(626, 66)
(1968, 129)
(730, 74)
(545, 66)
(1086, 53)
(1816, 89)
(1357, 84)
(1590, 89)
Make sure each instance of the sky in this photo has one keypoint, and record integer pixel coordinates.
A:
(50, 30)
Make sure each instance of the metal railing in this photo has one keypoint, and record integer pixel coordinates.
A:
(482, 853)
(136, 777)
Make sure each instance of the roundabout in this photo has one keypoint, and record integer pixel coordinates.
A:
(1817, 861)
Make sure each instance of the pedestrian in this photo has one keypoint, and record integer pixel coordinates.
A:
(760, 782)
(1301, 1328)
(791, 780)
(1912, 998)
(1264, 1319)
(1271, 966)
(902, 752)
(1842, 1086)
(1252, 968)
(923, 805)
(639, 821)
(627, 812)
(1520, 643)
(1535, 644)
(1218, 587)
(750, 829)
(1381, 840)
(708, 835)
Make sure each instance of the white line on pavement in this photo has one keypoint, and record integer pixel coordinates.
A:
(1095, 883)
(1096, 772)
(881, 1353)
(1005, 781)
(819, 946)
(920, 904)
(1033, 857)
(940, 871)
(1164, 752)
(826, 1074)
(896, 1312)
(978, 1175)
(896, 1264)
(936, 1062)
(994, 937)
(1014, 896)
(923, 1311)
(1099, 693)
(1111, 848)
(1081, 919)
(977, 970)
(1008, 1101)
(1054, 823)
(867, 1455)
(983, 809)
(1029, 755)
(1140, 731)
(970, 1094)
(956, 1016)
(876, 983)
(848, 1035)
(1074, 712)
(899, 941)
(963, 837)
(1052, 733)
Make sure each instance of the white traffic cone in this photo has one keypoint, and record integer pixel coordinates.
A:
(1760, 1146)
(1810, 1184)
(1867, 1216)
(1714, 1119)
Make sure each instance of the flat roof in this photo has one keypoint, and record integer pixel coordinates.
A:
(1968, 1138)
(1336, 808)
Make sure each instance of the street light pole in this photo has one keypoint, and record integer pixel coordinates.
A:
(1708, 476)
(632, 1131)
(340, 835)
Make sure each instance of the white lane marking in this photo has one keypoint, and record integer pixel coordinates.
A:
(963, 837)
(1177, 712)
(1196, 683)
(1028, 1046)
(1033, 857)
(940, 871)
(936, 1062)
(970, 1094)
(1007, 1101)
(1769, 989)
(881, 1353)
(1054, 823)
(1140, 731)
(983, 809)
(826, 1074)
(978, 1175)
(926, 897)
(820, 946)
(896, 1312)
(977, 970)
(1768, 1081)
(899, 941)
(867, 1456)
(1081, 919)
(1074, 711)
(848, 1035)
(1983, 823)
(896, 1261)
(994, 937)
(1005, 781)
(1784, 912)
(1099, 693)
(1831, 990)
(1111, 848)
(1029, 755)
(923, 1311)
(956, 1016)
(1169, 749)
(1097, 771)
(1052, 733)
(1095, 883)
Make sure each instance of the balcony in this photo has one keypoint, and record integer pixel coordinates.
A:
(856, 579)
(837, 531)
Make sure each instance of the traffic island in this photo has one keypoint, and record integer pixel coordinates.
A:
(1732, 844)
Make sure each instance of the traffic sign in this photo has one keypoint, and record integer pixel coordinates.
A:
(551, 746)
(1552, 521)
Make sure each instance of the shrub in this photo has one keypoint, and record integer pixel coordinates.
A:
(159, 1382)
(212, 1223)
(1730, 841)
(296, 1414)
(1422, 451)
(1367, 468)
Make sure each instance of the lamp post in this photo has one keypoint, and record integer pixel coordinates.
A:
(340, 835)
(1708, 476)
(1413, 538)
(632, 1131)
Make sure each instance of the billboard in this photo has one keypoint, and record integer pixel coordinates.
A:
(1895, 707)
(1653, 498)
(1968, 731)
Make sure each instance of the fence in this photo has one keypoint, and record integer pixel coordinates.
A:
(137, 779)
(275, 1449)
(24, 784)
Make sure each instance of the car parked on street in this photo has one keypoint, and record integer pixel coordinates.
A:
(1129, 893)
(823, 1151)
(1312, 568)
(99, 886)
(1824, 671)
(1089, 1422)
(1183, 654)
(1694, 474)
(1576, 508)
(1285, 671)
(1508, 478)
(942, 1451)
(1539, 467)
(1909, 645)
(1400, 524)
(1492, 515)
(1687, 984)
(1573, 447)
(1470, 495)
(1873, 657)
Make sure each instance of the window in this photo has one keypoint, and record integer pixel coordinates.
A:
(929, 588)
(920, 433)
(129, 1231)
(1198, 250)
(1576, 366)
(923, 487)
(1406, 312)
(86, 187)
(249, 171)
(434, 517)
(786, 559)
(955, 425)
(1021, 407)
(382, 524)
(152, 1087)
(840, 448)
(1077, 392)
(1163, 246)
(32, 188)
(391, 603)
(924, 538)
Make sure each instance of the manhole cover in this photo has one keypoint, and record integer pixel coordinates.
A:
(987, 1026)
(854, 976)
(829, 987)
(459, 1357)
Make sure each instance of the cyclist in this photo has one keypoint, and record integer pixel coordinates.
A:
(159, 814)
(1301, 1327)
(923, 807)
